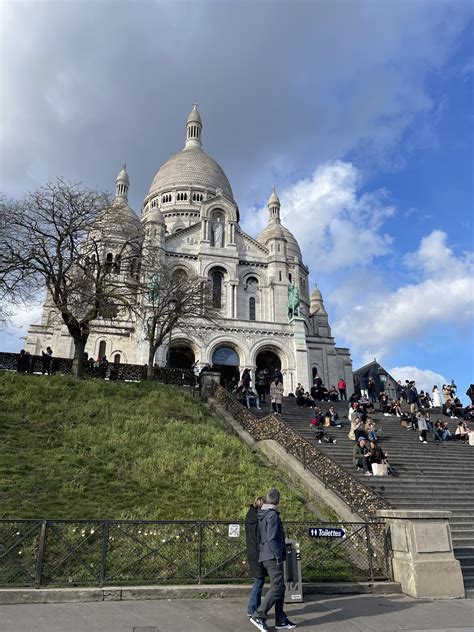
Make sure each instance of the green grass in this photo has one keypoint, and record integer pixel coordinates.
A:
(95, 449)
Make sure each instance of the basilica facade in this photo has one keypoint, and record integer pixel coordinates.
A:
(269, 317)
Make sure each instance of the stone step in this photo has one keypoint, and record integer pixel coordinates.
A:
(428, 474)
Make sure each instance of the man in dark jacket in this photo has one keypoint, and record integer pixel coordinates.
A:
(412, 398)
(256, 568)
(272, 555)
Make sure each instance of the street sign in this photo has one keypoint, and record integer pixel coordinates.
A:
(326, 532)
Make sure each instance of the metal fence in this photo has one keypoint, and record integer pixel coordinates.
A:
(128, 372)
(120, 552)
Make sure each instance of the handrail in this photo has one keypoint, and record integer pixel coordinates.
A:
(361, 500)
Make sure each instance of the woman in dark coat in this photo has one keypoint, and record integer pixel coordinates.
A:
(256, 568)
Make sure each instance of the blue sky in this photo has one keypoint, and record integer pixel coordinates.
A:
(361, 113)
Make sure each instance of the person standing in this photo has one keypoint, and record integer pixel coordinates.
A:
(436, 397)
(413, 398)
(256, 568)
(272, 554)
(341, 387)
(364, 386)
(276, 396)
(46, 361)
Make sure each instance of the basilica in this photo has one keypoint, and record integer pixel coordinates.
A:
(269, 318)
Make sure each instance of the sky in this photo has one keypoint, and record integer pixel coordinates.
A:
(360, 113)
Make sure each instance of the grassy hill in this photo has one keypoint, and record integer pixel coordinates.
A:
(95, 449)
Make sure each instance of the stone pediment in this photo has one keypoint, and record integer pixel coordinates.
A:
(184, 238)
(248, 246)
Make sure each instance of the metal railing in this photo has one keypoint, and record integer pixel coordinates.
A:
(361, 500)
(119, 552)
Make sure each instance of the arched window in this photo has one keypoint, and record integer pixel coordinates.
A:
(279, 275)
(117, 358)
(109, 261)
(252, 315)
(102, 349)
(289, 277)
(217, 280)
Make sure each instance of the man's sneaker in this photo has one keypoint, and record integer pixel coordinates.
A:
(259, 623)
(286, 625)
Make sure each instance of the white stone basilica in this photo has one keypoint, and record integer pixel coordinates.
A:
(190, 216)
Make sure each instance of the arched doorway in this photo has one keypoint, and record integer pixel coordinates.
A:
(181, 357)
(268, 360)
(227, 362)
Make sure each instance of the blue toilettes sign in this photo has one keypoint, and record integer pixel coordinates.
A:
(326, 532)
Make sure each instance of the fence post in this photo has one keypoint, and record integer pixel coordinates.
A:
(39, 559)
(103, 559)
(304, 457)
(369, 550)
(200, 553)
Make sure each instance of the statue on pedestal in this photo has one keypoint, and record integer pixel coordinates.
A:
(293, 302)
(218, 233)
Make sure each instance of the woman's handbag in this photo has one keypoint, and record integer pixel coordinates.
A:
(327, 422)
(380, 469)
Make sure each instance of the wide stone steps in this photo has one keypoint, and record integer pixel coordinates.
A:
(430, 476)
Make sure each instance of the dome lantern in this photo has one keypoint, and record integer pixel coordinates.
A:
(193, 129)
(122, 183)
(274, 207)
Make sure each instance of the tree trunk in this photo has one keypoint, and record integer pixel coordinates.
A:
(151, 357)
(78, 360)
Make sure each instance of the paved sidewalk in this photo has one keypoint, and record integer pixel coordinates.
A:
(339, 613)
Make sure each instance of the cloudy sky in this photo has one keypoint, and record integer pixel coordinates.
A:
(361, 114)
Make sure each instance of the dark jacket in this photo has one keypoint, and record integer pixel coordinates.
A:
(272, 535)
(252, 539)
(412, 395)
(363, 382)
(358, 453)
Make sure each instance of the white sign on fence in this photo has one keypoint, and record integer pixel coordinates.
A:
(234, 530)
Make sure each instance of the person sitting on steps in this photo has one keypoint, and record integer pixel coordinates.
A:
(334, 417)
(361, 456)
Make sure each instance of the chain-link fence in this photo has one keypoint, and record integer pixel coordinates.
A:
(94, 553)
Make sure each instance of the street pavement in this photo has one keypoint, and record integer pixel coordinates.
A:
(324, 613)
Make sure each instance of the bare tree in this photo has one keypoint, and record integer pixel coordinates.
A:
(72, 240)
(175, 300)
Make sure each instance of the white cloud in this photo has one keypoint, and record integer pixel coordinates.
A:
(424, 378)
(444, 296)
(335, 225)
(22, 316)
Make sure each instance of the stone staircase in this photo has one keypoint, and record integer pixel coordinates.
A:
(430, 476)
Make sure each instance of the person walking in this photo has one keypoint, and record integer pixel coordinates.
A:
(256, 568)
(272, 554)
(276, 396)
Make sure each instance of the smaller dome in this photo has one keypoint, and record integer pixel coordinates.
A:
(273, 230)
(293, 247)
(194, 116)
(273, 200)
(154, 215)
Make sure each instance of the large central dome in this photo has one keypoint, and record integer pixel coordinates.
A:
(191, 167)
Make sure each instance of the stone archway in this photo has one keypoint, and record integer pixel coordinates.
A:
(181, 356)
(226, 361)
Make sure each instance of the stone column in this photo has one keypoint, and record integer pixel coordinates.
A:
(301, 352)
(423, 559)
(206, 381)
